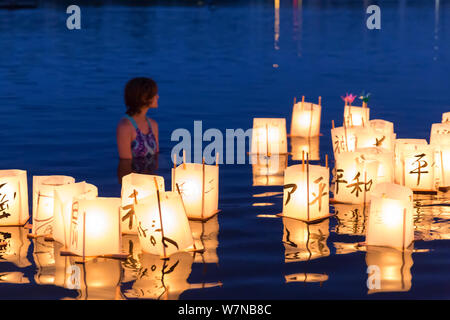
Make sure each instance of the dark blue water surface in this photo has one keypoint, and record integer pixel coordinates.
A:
(61, 96)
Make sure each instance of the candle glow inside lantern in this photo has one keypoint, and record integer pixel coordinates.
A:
(14, 246)
(13, 198)
(43, 202)
(134, 188)
(378, 133)
(95, 227)
(300, 145)
(198, 185)
(356, 116)
(268, 171)
(64, 197)
(163, 227)
(391, 221)
(440, 140)
(385, 162)
(306, 119)
(269, 136)
(306, 192)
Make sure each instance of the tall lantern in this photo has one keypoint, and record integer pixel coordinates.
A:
(354, 177)
(300, 145)
(95, 228)
(391, 222)
(389, 270)
(269, 136)
(134, 188)
(65, 195)
(268, 171)
(440, 140)
(198, 185)
(356, 116)
(163, 227)
(306, 119)
(13, 198)
(306, 192)
(446, 117)
(385, 160)
(43, 202)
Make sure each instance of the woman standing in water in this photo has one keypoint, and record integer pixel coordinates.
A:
(137, 135)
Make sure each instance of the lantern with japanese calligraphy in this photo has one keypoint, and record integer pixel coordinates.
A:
(378, 133)
(391, 216)
(446, 117)
(198, 185)
(414, 165)
(268, 171)
(356, 116)
(43, 202)
(343, 139)
(351, 219)
(389, 270)
(354, 177)
(134, 188)
(14, 246)
(303, 241)
(306, 119)
(301, 146)
(306, 277)
(65, 195)
(306, 192)
(95, 227)
(13, 198)
(385, 160)
(440, 140)
(163, 227)
(269, 136)
(206, 232)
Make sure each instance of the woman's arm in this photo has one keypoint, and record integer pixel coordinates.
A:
(124, 139)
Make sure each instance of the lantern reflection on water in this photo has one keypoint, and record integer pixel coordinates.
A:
(132, 246)
(351, 219)
(268, 171)
(389, 270)
(14, 277)
(13, 198)
(309, 146)
(64, 197)
(134, 188)
(391, 221)
(43, 202)
(14, 246)
(306, 277)
(306, 119)
(207, 234)
(269, 136)
(356, 116)
(43, 255)
(303, 241)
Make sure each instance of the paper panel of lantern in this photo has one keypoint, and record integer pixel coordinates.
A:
(306, 192)
(199, 188)
(306, 119)
(356, 116)
(43, 201)
(385, 160)
(442, 161)
(391, 222)
(354, 177)
(306, 277)
(446, 117)
(13, 198)
(134, 188)
(343, 139)
(163, 227)
(269, 136)
(95, 227)
(351, 219)
(378, 133)
(300, 146)
(268, 171)
(440, 133)
(65, 195)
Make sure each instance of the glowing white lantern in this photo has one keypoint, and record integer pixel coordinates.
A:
(14, 246)
(269, 136)
(268, 171)
(65, 196)
(13, 198)
(306, 192)
(351, 219)
(440, 133)
(43, 202)
(389, 270)
(134, 188)
(306, 119)
(301, 146)
(356, 116)
(163, 227)
(303, 241)
(354, 177)
(385, 162)
(446, 117)
(198, 185)
(207, 233)
(95, 227)
(343, 139)
(391, 221)
(378, 133)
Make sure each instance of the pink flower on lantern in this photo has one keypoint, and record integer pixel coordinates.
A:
(349, 98)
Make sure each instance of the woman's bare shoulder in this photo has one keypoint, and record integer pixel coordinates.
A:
(124, 125)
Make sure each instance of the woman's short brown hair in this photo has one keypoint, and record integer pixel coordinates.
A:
(139, 93)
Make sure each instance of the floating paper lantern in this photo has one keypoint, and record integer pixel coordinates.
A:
(95, 227)
(198, 185)
(354, 177)
(306, 192)
(268, 171)
(303, 241)
(389, 270)
(163, 227)
(14, 246)
(356, 116)
(13, 198)
(343, 139)
(132, 246)
(440, 133)
(378, 133)
(269, 136)
(134, 188)
(65, 196)
(306, 119)
(391, 216)
(351, 219)
(446, 117)
(309, 146)
(43, 202)
(385, 160)
(206, 232)
(414, 167)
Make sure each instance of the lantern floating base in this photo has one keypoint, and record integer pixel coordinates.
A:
(313, 221)
(120, 256)
(334, 201)
(35, 236)
(28, 226)
(444, 189)
(433, 192)
(295, 136)
(205, 219)
(49, 238)
(363, 246)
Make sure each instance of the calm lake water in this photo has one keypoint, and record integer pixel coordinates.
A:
(61, 96)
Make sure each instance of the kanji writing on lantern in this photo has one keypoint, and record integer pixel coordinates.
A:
(339, 176)
(130, 214)
(357, 185)
(379, 142)
(339, 145)
(74, 224)
(4, 205)
(320, 194)
(421, 164)
(291, 186)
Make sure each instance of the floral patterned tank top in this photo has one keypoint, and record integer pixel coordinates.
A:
(144, 146)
